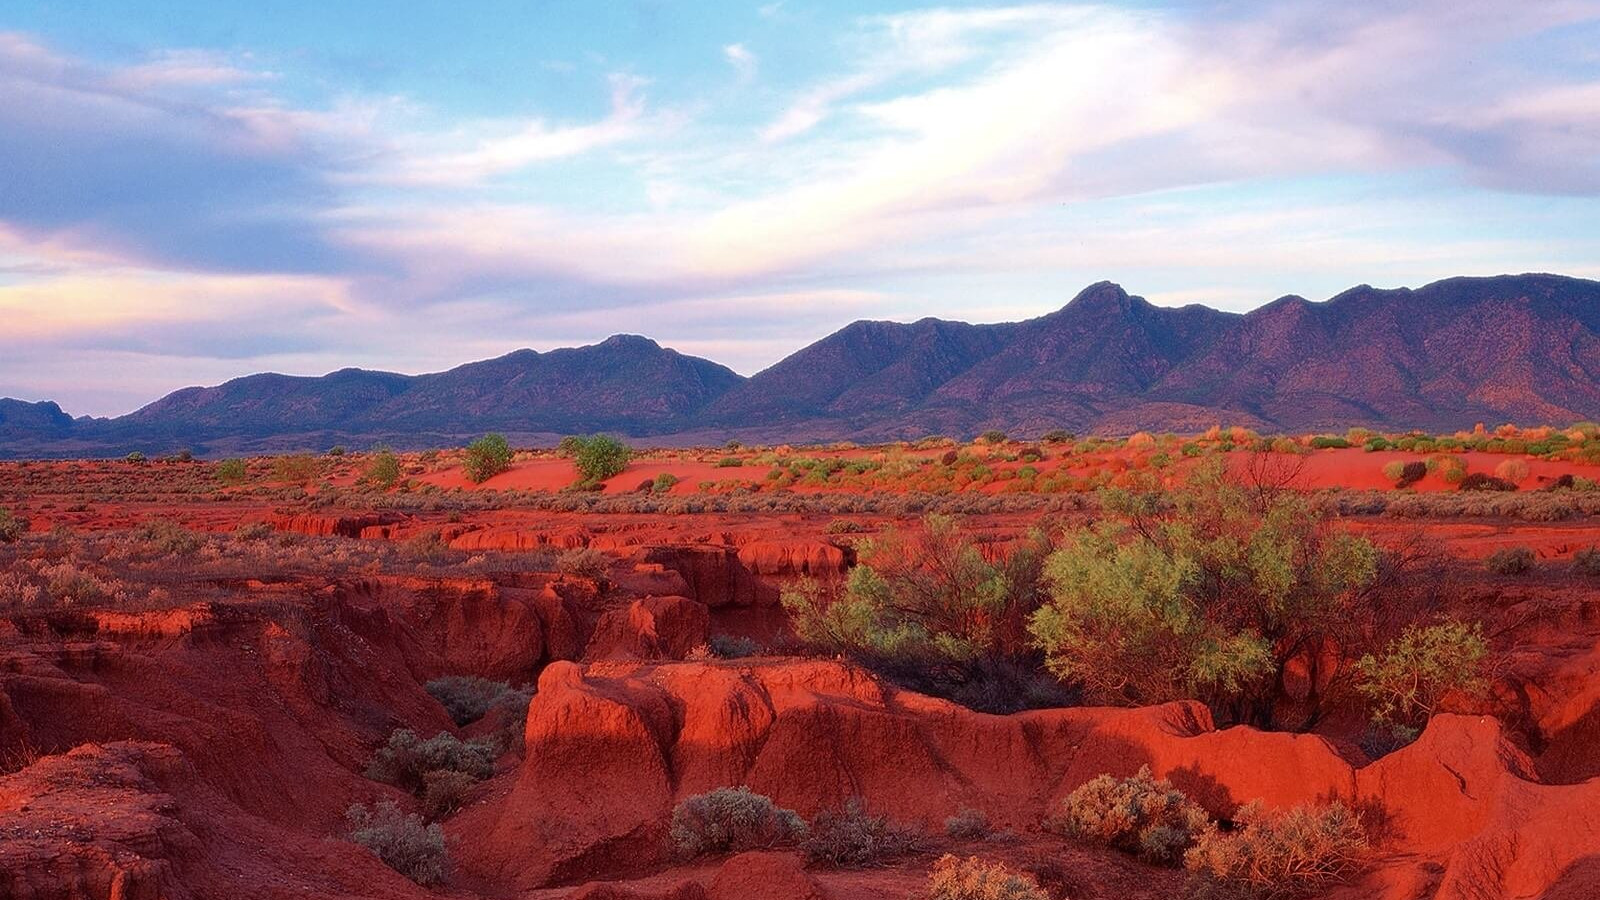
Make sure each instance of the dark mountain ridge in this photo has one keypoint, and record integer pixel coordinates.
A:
(1523, 348)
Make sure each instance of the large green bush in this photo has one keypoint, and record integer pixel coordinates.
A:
(383, 469)
(487, 457)
(468, 698)
(1208, 591)
(928, 606)
(1405, 682)
(600, 456)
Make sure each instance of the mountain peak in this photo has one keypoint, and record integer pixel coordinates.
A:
(628, 342)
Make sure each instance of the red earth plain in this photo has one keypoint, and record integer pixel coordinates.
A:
(205, 667)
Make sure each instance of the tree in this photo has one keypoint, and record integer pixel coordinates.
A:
(487, 457)
(600, 456)
(1208, 592)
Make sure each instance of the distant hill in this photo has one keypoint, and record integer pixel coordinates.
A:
(1522, 348)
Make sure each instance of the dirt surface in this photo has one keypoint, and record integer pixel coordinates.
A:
(199, 728)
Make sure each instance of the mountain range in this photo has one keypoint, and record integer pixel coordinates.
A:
(1514, 348)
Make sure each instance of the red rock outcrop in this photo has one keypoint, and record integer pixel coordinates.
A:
(610, 750)
(650, 628)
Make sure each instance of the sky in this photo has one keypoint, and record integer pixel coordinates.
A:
(193, 190)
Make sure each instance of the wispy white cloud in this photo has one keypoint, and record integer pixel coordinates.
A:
(951, 157)
(743, 61)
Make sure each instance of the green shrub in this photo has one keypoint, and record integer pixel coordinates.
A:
(663, 483)
(1586, 561)
(12, 528)
(600, 457)
(1328, 441)
(852, 839)
(1407, 680)
(927, 608)
(968, 825)
(1271, 855)
(336, 450)
(1057, 436)
(973, 879)
(406, 759)
(136, 458)
(231, 471)
(404, 843)
(487, 457)
(383, 469)
(993, 436)
(1203, 592)
(468, 698)
(731, 820)
(1138, 814)
(730, 462)
(1509, 561)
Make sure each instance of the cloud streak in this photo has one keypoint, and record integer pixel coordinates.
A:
(946, 161)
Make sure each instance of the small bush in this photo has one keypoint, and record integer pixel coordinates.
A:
(732, 646)
(1410, 473)
(136, 458)
(336, 450)
(1056, 436)
(1328, 442)
(1280, 854)
(993, 436)
(1512, 470)
(403, 842)
(12, 528)
(231, 471)
(1478, 481)
(443, 792)
(968, 825)
(1139, 814)
(1509, 561)
(164, 537)
(949, 458)
(384, 469)
(487, 457)
(297, 469)
(973, 879)
(852, 839)
(1586, 561)
(664, 483)
(406, 759)
(731, 820)
(584, 562)
(467, 698)
(730, 462)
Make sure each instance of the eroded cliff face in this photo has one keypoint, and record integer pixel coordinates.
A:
(211, 749)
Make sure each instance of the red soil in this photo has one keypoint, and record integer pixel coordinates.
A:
(209, 749)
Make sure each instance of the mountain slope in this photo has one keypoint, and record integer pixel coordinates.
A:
(1522, 348)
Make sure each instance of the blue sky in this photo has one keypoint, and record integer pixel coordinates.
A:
(191, 191)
